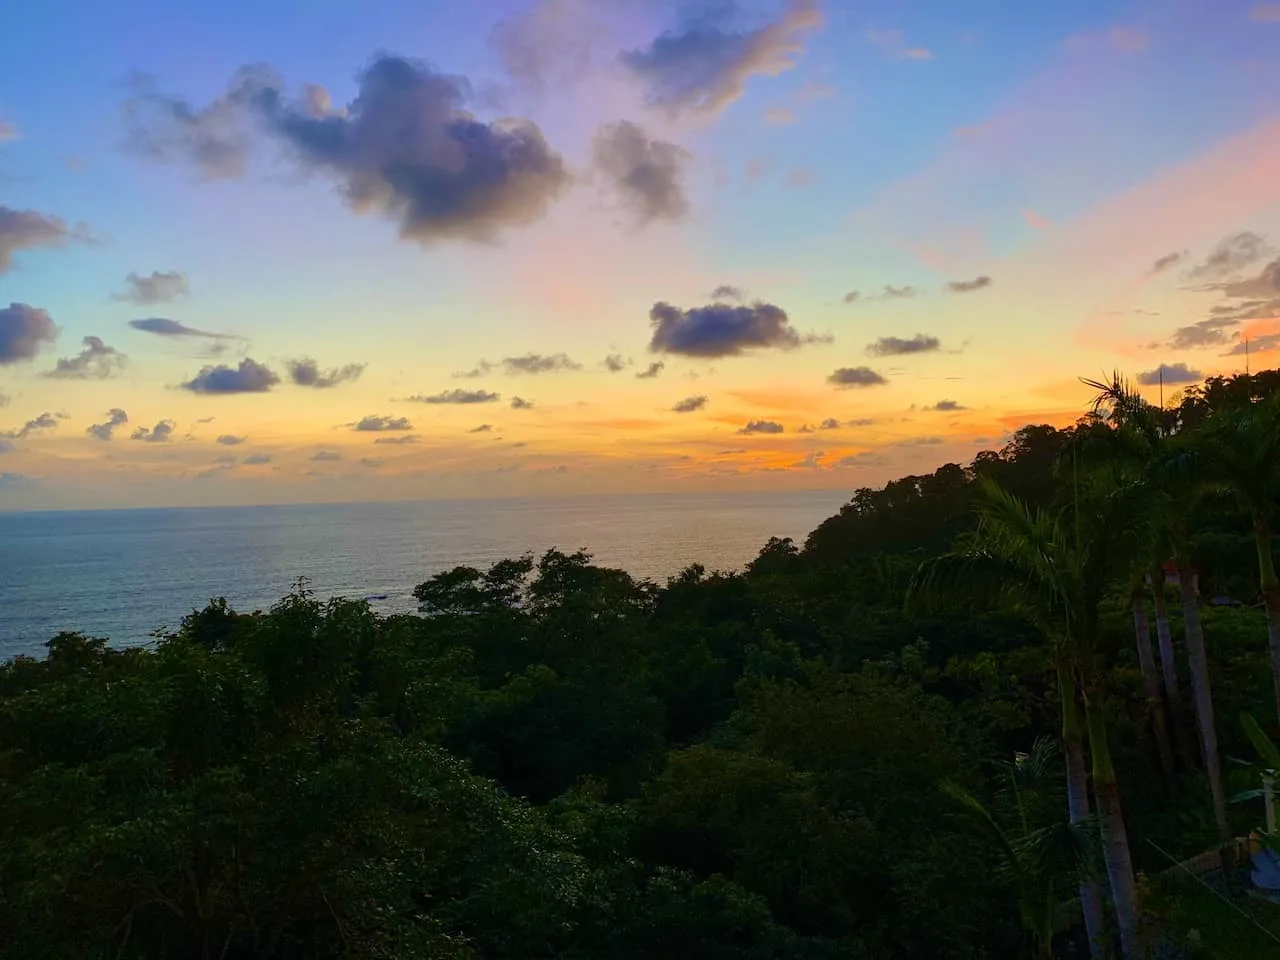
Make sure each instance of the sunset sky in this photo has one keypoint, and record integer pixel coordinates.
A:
(339, 250)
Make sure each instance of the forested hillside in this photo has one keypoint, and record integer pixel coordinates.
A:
(975, 714)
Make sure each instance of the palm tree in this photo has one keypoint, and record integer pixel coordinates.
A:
(1139, 439)
(1056, 575)
(1240, 452)
(1150, 675)
(1042, 854)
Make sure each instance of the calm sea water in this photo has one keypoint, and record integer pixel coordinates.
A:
(121, 574)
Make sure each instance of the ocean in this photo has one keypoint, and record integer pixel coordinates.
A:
(122, 574)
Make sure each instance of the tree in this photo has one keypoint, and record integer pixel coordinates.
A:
(1056, 568)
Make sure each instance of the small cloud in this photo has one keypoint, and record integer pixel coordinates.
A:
(722, 330)
(29, 230)
(96, 361)
(376, 424)
(1232, 254)
(812, 461)
(23, 331)
(921, 442)
(1168, 260)
(852, 296)
(651, 372)
(1264, 343)
(1265, 13)
(888, 292)
(947, 406)
(1203, 333)
(829, 424)
(103, 431)
(539, 363)
(727, 291)
(898, 346)
(894, 45)
(256, 459)
(866, 458)
(615, 363)
(307, 373)
(519, 403)
(231, 440)
(45, 421)
(704, 66)
(9, 131)
(690, 404)
(762, 426)
(969, 286)
(647, 174)
(164, 327)
(1173, 374)
(321, 456)
(398, 441)
(162, 432)
(856, 377)
(249, 377)
(157, 287)
(456, 397)
(483, 428)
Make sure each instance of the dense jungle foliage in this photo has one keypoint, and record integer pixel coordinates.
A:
(975, 714)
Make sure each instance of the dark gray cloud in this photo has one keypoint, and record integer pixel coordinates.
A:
(615, 363)
(762, 426)
(704, 64)
(727, 291)
(307, 373)
(651, 371)
(1172, 374)
(969, 286)
(890, 292)
(1260, 344)
(164, 327)
(162, 432)
(690, 404)
(45, 421)
(722, 329)
(519, 403)
(375, 424)
(898, 346)
(457, 397)
(325, 455)
(852, 296)
(27, 230)
(1231, 255)
(1265, 286)
(647, 174)
(115, 418)
(256, 459)
(96, 361)
(947, 406)
(248, 377)
(404, 148)
(856, 377)
(398, 441)
(483, 428)
(231, 440)
(539, 363)
(831, 423)
(1168, 260)
(24, 329)
(157, 287)
(1204, 333)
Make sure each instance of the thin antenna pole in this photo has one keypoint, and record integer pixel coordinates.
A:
(1162, 388)
(1246, 356)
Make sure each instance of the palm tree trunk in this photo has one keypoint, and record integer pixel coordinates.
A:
(1270, 596)
(1078, 806)
(1115, 838)
(1151, 682)
(1164, 639)
(1203, 694)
